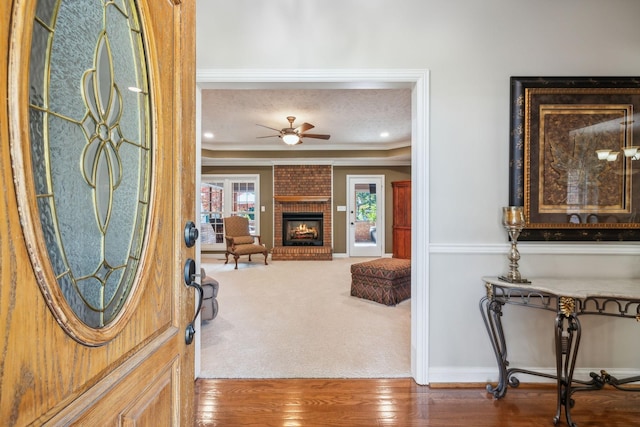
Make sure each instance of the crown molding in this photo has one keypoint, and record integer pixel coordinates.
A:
(310, 78)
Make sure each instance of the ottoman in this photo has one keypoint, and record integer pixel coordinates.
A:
(385, 280)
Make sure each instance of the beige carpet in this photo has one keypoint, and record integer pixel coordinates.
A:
(296, 319)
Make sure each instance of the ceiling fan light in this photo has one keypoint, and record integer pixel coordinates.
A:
(290, 139)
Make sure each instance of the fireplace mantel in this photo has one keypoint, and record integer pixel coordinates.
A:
(301, 199)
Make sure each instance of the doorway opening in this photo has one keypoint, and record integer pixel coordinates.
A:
(365, 215)
(418, 81)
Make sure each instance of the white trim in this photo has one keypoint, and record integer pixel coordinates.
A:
(344, 255)
(490, 375)
(323, 162)
(418, 81)
(334, 147)
(315, 78)
(420, 199)
(536, 249)
(347, 161)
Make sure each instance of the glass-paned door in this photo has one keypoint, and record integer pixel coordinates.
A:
(244, 202)
(212, 202)
(366, 215)
(227, 195)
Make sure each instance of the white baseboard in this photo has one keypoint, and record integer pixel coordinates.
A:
(344, 255)
(485, 375)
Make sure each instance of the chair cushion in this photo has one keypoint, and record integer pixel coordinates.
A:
(249, 249)
(243, 240)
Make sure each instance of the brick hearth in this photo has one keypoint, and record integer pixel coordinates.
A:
(302, 188)
(299, 253)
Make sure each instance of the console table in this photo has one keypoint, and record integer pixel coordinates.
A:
(569, 299)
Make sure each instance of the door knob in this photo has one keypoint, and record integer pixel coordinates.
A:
(189, 280)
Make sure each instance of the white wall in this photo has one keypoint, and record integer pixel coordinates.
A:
(471, 48)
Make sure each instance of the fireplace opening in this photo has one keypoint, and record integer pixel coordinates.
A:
(302, 229)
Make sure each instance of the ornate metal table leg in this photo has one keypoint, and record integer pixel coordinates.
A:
(567, 337)
(598, 381)
(491, 311)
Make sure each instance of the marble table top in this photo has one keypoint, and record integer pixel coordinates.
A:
(577, 288)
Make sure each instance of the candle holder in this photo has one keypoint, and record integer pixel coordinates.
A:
(513, 221)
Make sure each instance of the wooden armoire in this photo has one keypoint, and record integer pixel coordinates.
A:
(401, 219)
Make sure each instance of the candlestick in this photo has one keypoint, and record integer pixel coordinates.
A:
(513, 221)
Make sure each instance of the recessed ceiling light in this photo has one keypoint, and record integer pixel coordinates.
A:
(384, 134)
(208, 135)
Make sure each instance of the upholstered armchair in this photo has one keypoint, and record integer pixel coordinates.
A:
(240, 241)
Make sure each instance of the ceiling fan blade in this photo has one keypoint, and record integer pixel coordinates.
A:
(277, 130)
(304, 127)
(314, 135)
(268, 136)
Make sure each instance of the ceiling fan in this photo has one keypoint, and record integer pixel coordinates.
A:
(293, 136)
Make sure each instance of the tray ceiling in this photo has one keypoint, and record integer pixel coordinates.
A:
(355, 119)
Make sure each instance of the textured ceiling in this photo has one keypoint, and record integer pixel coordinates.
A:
(354, 118)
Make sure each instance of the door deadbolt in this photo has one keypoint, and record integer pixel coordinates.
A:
(190, 234)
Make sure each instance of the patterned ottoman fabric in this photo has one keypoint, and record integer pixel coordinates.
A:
(385, 280)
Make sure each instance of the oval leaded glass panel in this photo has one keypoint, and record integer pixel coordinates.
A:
(90, 151)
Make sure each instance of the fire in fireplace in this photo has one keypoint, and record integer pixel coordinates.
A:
(302, 229)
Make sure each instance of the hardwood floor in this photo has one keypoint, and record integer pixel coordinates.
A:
(398, 402)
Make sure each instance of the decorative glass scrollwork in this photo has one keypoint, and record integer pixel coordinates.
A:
(89, 160)
(101, 162)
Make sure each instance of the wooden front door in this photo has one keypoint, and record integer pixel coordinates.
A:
(109, 168)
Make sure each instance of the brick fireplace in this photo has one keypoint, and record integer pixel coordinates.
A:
(302, 189)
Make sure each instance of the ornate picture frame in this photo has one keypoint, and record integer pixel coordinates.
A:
(572, 163)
